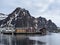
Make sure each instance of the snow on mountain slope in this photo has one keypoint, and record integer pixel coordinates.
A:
(2, 16)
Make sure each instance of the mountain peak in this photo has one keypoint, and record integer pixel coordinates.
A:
(21, 11)
(16, 10)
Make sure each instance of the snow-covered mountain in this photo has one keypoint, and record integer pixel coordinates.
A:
(22, 18)
(18, 18)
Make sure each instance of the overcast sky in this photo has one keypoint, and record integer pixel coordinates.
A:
(50, 9)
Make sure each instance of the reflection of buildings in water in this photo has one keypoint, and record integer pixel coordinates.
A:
(20, 37)
(24, 40)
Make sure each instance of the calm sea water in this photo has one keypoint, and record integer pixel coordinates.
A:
(52, 39)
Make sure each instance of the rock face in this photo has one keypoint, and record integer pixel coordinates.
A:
(19, 18)
(48, 24)
(22, 18)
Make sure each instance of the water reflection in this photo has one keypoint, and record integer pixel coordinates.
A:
(18, 40)
(52, 39)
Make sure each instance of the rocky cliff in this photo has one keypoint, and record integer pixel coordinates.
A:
(19, 18)
(48, 24)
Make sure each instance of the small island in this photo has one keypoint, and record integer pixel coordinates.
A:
(20, 21)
